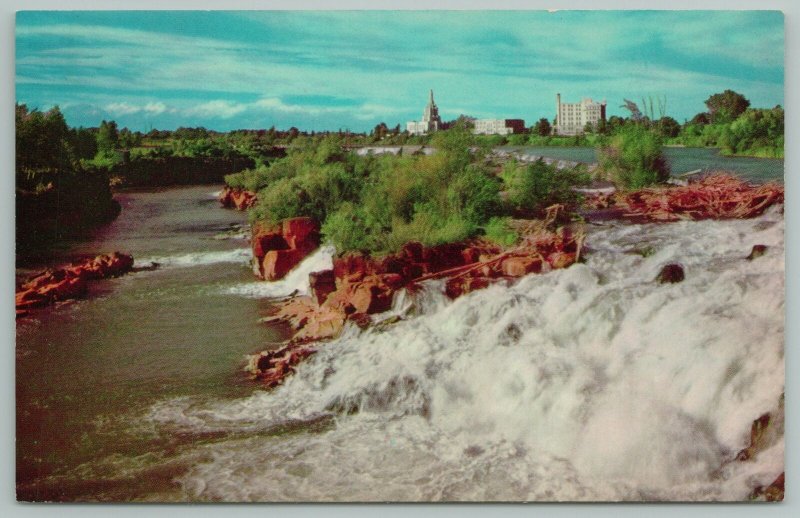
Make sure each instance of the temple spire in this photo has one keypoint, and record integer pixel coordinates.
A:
(430, 100)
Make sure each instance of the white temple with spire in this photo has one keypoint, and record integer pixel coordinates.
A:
(430, 120)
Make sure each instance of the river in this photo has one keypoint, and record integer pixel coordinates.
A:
(555, 388)
(680, 159)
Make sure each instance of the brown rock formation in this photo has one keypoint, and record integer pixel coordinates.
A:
(278, 249)
(69, 283)
(359, 285)
(238, 199)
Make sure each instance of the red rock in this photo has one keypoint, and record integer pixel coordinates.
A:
(412, 251)
(393, 280)
(272, 367)
(70, 282)
(470, 254)
(277, 263)
(301, 233)
(560, 259)
(454, 288)
(371, 296)
(263, 243)
(519, 266)
(350, 268)
(239, 199)
(322, 284)
(443, 257)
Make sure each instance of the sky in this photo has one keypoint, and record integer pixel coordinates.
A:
(320, 70)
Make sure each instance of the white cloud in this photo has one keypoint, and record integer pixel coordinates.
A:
(155, 108)
(218, 109)
(122, 108)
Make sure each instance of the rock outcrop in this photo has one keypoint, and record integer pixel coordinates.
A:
(278, 249)
(238, 199)
(70, 282)
(359, 285)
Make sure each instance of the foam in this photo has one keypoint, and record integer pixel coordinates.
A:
(590, 383)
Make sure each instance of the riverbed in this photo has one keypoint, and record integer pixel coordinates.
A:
(589, 383)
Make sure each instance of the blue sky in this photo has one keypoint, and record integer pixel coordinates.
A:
(331, 70)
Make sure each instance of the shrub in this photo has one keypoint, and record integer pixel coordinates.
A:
(534, 187)
(499, 231)
(634, 159)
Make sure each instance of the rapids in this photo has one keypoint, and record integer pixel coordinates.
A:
(589, 383)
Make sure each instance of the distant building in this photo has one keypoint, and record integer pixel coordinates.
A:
(571, 118)
(498, 126)
(430, 120)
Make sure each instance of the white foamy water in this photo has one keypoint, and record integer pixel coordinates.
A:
(296, 282)
(590, 383)
(237, 255)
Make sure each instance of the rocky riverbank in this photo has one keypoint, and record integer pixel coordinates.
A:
(360, 286)
(70, 282)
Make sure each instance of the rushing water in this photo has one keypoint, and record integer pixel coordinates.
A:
(590, 383)
(681, 160)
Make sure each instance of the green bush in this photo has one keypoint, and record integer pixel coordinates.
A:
(534, 187)
(499, 231)
(634, 158)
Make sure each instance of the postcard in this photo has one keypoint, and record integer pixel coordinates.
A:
(404, 256)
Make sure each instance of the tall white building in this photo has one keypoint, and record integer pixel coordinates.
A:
(430, 120)
(571, 118)
(498, 126)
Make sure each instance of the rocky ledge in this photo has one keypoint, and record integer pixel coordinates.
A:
(279, 248)
(70, 282)
(359, 286)
(238, 199)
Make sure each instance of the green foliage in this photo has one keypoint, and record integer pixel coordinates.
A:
(668, 127)
(634, 159)
(542, 127)
(107, 138)
(534, 187)
(55, 195)
(377, 203)
(43, 144)
(755, 132)
(499, 231)
(726, 106)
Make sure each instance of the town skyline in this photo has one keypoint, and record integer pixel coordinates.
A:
(353, 70)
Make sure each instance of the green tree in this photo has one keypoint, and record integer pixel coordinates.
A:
(634, 158)
(726, 106)
(542, 127)
(668, 127)
(107, 138)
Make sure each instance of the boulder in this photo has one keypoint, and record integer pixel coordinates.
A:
(371, 296)
(277, 263)
(278, 249)
(263, 243)
(757, 251)
(351, 268)
(322, 284)
(458, 286)
(519, 266)
(560, 259)
(670, 273)
(301, 233)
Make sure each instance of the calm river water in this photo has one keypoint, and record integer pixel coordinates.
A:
(681, 160)
(88, 371)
